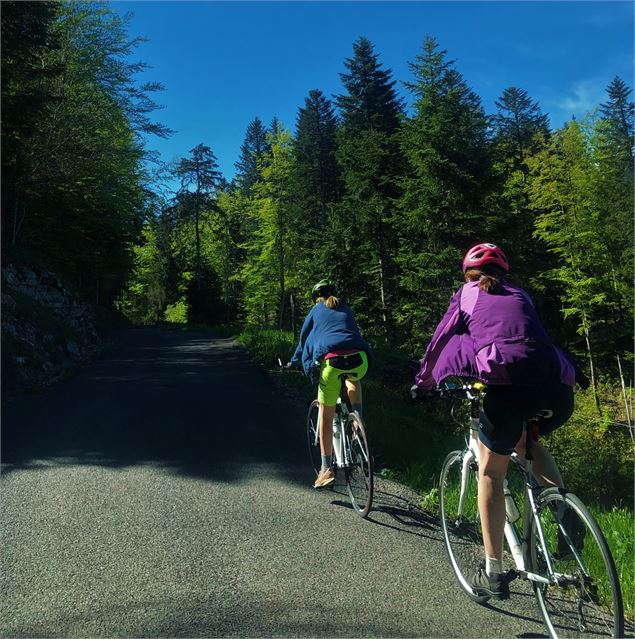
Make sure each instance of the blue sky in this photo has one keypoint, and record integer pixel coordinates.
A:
(223, 63)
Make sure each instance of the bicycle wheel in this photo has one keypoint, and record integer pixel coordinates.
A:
(359, 472)
(587, 600)
(461, 530)
(313, 435)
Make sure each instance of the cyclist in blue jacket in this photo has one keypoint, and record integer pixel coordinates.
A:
(331, 338)
(492, 332)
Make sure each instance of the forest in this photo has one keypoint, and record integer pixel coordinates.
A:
(378, 193)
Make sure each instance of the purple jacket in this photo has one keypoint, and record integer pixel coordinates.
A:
(497, 339)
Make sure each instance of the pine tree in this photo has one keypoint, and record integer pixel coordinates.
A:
(371, 101)
(200, 171)
(571, 220)
(251, 153)
(444, 205)
(618, 112)
(517, 123)
(317, 182)
(520, 130)
(371, 163)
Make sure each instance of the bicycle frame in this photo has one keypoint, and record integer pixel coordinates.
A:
(518, 546)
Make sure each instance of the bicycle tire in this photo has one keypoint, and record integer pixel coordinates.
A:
(462, 534)
(359, 473)
(313, 436)
(582, 604)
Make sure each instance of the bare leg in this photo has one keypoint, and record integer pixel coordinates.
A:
(545, 467)
(354, 394)
(325, 422)
(492, 469)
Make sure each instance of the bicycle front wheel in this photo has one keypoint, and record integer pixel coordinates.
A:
(460, 521)
(359, 469)
(313, 435)
(586, 601)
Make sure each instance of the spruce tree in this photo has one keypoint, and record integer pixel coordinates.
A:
(371, 101)
(317, 179)
(370, 160)
(519, 130)
(618, 112)
(517, 123)
(251, 153)
(445, 202)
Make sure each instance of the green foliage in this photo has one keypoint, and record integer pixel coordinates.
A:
(269, 268)
(252, 153)
(177, 313)
(143, 299)
(362, 232)
(618, 527)
(443, 207)
(595, 452)
(73, 192)
(576, 222)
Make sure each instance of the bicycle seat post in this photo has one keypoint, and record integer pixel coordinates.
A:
(533, 433)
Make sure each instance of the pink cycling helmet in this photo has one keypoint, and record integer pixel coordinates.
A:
(485, 253)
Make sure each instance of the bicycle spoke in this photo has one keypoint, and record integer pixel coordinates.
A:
(359, 471)
(585, 599)
(461, 530)
(313, 436)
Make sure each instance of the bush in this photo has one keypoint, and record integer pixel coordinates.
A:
(595, 452)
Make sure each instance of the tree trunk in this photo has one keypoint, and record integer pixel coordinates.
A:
(591, 363)
(381, 291)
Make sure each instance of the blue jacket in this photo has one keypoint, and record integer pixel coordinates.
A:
(326, 330)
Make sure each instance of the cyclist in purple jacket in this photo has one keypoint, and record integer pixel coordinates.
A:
(492, 332)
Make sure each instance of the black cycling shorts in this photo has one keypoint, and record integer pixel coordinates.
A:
(507, 408)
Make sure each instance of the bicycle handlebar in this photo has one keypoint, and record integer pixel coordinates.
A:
(451, 388)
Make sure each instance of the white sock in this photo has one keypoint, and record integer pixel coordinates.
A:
(493, 566)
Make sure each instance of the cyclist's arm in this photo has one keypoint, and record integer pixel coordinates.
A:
(304, 333)
(450, 325)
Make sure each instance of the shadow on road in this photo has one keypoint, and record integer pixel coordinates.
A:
(184, 401)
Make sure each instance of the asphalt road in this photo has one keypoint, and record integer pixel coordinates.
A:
(165, 492)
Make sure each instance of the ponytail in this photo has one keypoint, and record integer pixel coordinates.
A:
(330, 302)
(489, 279)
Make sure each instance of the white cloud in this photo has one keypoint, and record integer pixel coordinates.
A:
(584, 96)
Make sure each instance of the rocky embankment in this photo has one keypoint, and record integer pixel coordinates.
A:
(47, 331)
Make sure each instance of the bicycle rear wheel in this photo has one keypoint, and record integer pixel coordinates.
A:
(461, 525)
(313, 435)
(587, 601)
(359, 472)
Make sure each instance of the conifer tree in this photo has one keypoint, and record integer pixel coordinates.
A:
(251, 153)
(517, 123)
(519, 130)
(444, 206)
(370, 160)
(269, 253)
(618, 113)
(371, 101)
(571, 220)
(317, 181)
(199, 171)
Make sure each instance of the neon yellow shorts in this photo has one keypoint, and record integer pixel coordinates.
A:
(330, 375)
